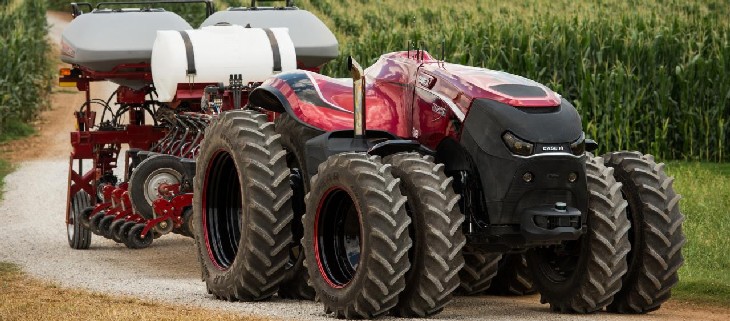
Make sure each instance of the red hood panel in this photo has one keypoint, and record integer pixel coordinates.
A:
(327, 103)
(496, 85)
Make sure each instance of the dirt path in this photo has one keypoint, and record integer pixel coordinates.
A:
(33, 235)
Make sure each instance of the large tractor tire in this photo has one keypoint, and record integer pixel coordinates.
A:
(435, 231)
(356, 240)
(479, 270)
(656, 232)
(293, 136)
(582, 276)
(148, 176)
(513, 277)
(242, 210)
(79, 237)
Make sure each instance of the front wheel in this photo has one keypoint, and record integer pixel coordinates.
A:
(656, 232)
(479, 270)
(582, 276)
(513, 277)
(356, 238)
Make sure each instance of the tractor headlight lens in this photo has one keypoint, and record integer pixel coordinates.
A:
(578, 147)
(517, 145)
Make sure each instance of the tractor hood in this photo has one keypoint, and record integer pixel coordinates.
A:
(500, 86)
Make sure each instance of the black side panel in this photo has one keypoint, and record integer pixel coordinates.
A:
(392, 146)
(319, 148)
(453, 156)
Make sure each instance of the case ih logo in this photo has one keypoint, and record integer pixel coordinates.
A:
(426, 81)
(441, 111)
(553, 148)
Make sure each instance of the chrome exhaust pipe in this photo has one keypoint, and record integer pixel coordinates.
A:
(358, 94)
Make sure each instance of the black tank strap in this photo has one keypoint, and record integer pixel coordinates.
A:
(189, 53)
(274, 50)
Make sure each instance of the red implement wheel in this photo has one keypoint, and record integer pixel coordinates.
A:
(148, 176)
(105, 224)
(94, 222)
(79, 236)
(115, 229)
(124, 233)
(135, 239)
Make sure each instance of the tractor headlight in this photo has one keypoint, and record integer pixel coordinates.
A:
(517, 145)
(578, 147)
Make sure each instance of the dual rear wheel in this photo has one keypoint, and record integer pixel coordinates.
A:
(382, 236)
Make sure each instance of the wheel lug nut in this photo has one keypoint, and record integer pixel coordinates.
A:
(572, 177)
(527, 177)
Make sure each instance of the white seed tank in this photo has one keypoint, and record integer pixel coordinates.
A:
(218, 52)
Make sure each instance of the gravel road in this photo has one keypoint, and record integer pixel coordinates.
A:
(33, 235)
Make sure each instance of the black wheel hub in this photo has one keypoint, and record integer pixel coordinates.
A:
(558, 263)
(338, 238)
(222, 210)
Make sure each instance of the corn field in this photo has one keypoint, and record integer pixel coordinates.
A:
(25, 73)
(648, 75)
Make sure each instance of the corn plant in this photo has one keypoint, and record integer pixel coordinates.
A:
(646, 75)
(25, 70)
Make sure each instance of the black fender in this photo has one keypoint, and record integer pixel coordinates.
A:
(380, 143)
(319, 148)
(390, 147)
(271, 99)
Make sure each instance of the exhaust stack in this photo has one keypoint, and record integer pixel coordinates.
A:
(358, 88)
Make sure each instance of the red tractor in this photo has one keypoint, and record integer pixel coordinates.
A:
(388, 191)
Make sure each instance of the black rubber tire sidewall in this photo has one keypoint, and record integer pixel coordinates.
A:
(134, 237)
(479, 270)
